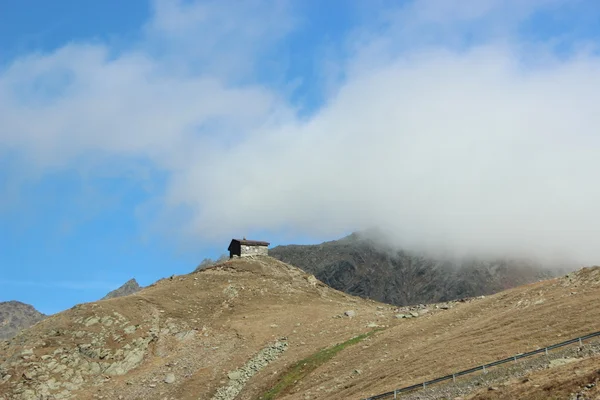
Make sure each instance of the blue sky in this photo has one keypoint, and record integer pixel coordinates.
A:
(138, 137)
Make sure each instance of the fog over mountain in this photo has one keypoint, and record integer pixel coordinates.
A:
(360, 265)
(485, 145)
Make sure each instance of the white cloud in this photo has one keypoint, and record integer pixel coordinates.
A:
(472, 149)
(464, 150)
(58, 109)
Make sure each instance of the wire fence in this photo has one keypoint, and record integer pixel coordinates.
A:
(394, 393)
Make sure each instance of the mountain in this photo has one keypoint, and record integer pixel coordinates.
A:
(209, 262)
(184, 337)
(15, 316)
(358, 265)
(129, 287)
(262, 329)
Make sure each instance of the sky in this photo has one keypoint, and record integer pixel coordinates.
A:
(137, 138)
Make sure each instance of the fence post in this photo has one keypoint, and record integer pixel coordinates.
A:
(395, 394)
(484, 371)
(423, 385)
(546, 352)
(580, 343)
(453, 377)
(515, 357)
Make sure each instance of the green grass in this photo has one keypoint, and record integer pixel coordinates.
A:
(304, 367)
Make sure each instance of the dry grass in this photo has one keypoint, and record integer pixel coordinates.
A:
(235, 309)
(302, 368)
(498, 326)
(581, 376)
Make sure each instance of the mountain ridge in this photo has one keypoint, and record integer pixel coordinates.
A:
(360, 266)
(15, 316)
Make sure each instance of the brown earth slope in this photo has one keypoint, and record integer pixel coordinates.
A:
(241, 326)
(197, 327)
(470, 334)
(577, 379)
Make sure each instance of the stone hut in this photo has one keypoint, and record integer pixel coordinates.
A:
(244, 247)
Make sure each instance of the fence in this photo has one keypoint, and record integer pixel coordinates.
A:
(483, 367)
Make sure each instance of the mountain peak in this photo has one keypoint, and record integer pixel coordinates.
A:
(15, 315)
(362, 264)
(129, 287)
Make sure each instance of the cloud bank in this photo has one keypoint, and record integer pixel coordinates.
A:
(475, 145)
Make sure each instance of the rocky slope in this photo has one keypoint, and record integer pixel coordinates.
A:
(129, 287)
(242, 327)
(204, 335)
(15, 316)
(359, 266)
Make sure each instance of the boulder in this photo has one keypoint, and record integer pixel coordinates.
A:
(170, 378)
